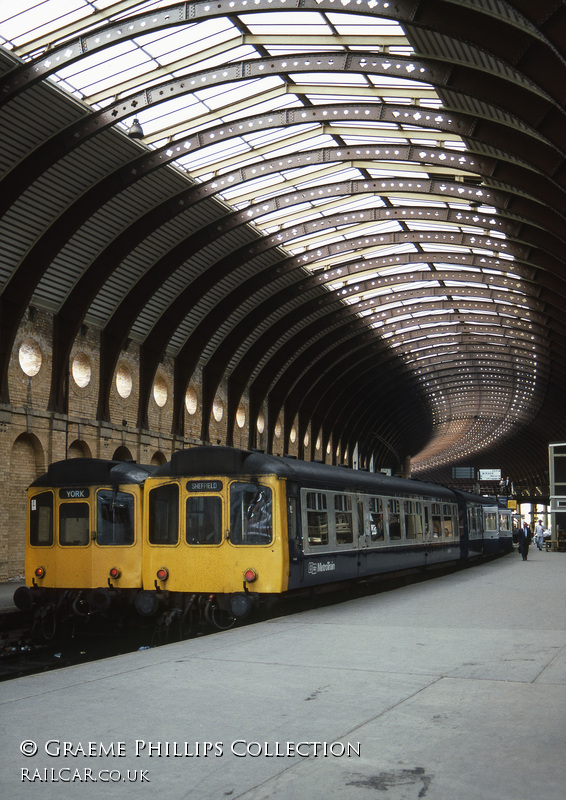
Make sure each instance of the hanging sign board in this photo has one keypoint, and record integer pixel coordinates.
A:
(489, 475)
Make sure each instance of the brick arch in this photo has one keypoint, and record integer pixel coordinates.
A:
(122, 453)
(79, 449)
(157, 459)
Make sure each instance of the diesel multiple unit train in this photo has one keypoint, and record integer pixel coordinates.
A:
(217, 532)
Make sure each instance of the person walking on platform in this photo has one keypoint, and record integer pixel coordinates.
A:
(524, 540)
(539, 534)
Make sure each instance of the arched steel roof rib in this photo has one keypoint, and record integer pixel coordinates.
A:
(58, 145)
(181, 300)
(41, 248)
(77, 300)
(276, 408)
(284, 347)
(372, 408)
(67, 223)
(274, 331)
(382, 307)
(350, 246)
(109, 34)
(351, 359)
(515, 41)
(193, 344)
(362, 375)
(280, 357)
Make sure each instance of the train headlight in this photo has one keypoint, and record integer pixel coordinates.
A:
(241, 605)
(250, 575)
(40, 572)
(115, 572)
(162, 574)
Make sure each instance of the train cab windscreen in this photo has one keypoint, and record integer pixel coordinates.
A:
(74, 524)
(204, 520)
(115, 518)
(251, 514)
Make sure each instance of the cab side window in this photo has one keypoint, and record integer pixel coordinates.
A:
(41, 520)
(163, 520)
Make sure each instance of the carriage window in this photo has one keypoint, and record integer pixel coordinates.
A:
(376, 526)
(115, 518)
(317, 519)
(394, 519)
(292, 518)
(343, 519)
(413, 519)
(490, 521)
(73, 524)
(505, 522)
(164, 514)
(251, 514)
(436, 520)
(473, 520)
(204, 520)
(448, 528)
(41, 520)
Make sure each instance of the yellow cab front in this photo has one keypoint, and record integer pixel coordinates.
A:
(84, 537)
(216, 536)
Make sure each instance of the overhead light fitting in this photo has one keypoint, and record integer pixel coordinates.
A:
(135, 131)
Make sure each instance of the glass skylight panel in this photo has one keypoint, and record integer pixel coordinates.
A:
(211, 154)
(167, 46)
(347, 23)
(224, 94)
(295, 140)
(38, 19)
(101, 73)
(286, 22)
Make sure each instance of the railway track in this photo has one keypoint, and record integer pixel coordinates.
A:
(22, 652)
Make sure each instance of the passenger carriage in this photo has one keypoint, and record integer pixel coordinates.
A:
(229, 528)
(217, 532)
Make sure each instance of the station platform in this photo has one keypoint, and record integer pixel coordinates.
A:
(450, 689)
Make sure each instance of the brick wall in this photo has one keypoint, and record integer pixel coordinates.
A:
(31, 437)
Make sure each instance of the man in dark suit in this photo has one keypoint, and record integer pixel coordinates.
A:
(524, 540)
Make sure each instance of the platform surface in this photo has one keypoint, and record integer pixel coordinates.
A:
(453, 689)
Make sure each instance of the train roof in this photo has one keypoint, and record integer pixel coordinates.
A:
(93, 471)
(219, 460)
(484, 500)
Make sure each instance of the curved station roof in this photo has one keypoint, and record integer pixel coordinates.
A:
(353, 211)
